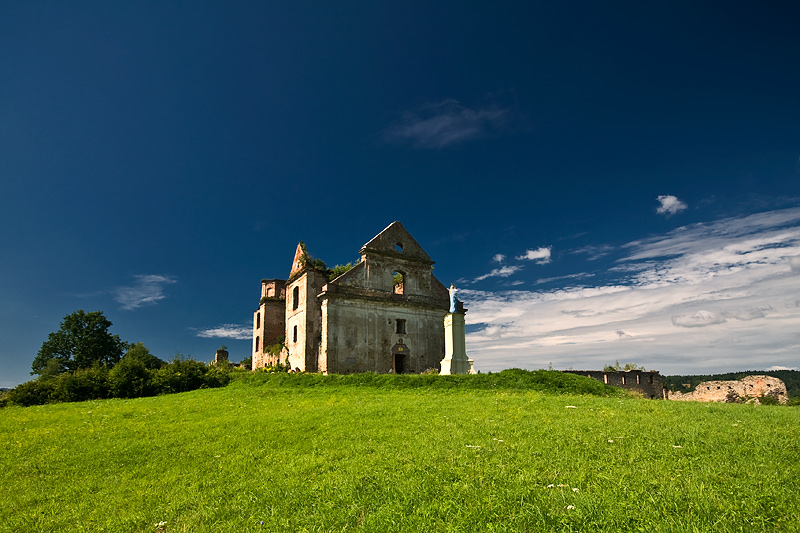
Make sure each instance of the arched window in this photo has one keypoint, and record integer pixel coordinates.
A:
(295, 298)
(398, 282)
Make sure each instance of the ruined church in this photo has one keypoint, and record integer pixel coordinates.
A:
(385, 314)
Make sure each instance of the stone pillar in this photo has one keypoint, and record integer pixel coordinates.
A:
(455, 346)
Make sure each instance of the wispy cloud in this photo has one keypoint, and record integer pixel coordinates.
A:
(593, 252)
(447, 123)
(580, 275)
(227, 331)
(669, 205)
(499, 258)
(705, 297)
(698, 319)
(540, 255)
(148, 290)
(502, 272)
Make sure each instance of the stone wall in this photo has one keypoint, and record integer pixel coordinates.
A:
(304, 319)
(646, 383)
(745, 389)
(361, 335)
(269, 321)
(361, 321)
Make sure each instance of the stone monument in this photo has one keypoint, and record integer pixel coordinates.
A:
(455, 346)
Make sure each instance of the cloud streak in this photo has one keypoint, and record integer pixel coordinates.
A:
(707, 297)
(148, 290)
(447, 123)
(227, 331)
(502, 272)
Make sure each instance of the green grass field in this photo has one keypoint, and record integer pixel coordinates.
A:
(263, 455)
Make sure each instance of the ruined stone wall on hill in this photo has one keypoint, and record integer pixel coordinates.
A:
(647, 383)
(747, 388)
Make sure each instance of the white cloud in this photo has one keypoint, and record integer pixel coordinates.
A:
(698, 319)
(499, 258)
(729, 286)
(502, 272)
(776, 367)
(149, 289)
(794, 263)
(670, 205)
(581, 275)
(227, 331)
(446, 123)
(541, 255)
(594, 252)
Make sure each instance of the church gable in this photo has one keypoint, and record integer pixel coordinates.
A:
(395, 240)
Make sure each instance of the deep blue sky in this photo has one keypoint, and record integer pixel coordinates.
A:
(157, 161)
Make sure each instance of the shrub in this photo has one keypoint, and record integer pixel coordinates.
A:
(34, 392)
(181, 375)
(81, 385)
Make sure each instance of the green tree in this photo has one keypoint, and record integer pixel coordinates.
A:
(132, 377)
(82, 342)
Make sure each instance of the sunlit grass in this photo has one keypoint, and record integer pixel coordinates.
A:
(266, 457)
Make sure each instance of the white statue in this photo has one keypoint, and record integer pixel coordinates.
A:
(453, 300)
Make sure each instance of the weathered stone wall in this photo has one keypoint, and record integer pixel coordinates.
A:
(361, 335)
(269, 321)
(371, 324)
(747, 388)
(361, 321)
(304, 319)
(648, 383)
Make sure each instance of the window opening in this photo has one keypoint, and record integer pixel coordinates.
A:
(398, 282)
(294, 334)
(295, 298)
(258, 320)
(399, 246)
(401, 326)
(257, 339)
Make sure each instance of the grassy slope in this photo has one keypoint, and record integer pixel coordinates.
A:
(382, 459)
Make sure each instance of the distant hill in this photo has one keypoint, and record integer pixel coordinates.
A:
(688, 383)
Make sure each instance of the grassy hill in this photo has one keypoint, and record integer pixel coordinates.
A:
(307, 453)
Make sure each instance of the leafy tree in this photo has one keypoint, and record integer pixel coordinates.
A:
(181, 375)
(338, 270)
(132, 377)
(81, 385)
(82, 342)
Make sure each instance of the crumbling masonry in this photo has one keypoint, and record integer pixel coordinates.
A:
(383, 315)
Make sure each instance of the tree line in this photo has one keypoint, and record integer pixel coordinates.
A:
(83, 361)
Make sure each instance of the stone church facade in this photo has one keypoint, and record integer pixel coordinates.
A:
(386, 314)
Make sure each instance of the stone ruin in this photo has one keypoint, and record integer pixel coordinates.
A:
(747, 389)
(386, 314)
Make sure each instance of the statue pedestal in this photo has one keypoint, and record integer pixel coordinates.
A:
(455, 346)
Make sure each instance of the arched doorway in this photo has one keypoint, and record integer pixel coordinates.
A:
(400, 358)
